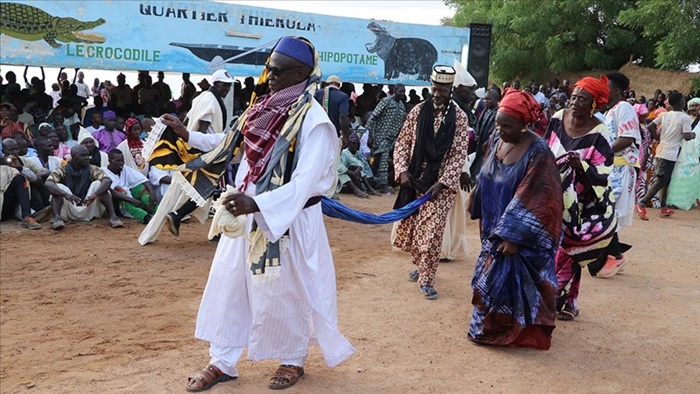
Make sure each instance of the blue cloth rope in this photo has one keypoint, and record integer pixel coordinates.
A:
(337, 210)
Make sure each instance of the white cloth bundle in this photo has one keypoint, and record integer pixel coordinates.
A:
(224, 222)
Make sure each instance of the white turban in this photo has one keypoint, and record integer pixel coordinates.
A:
(463, 77)
(84, 134)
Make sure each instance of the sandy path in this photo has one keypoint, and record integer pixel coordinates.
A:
(110, 316)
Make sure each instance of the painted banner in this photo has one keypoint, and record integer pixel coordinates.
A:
(203, 36)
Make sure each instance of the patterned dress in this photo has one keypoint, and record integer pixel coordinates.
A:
(589, 205)
(684, 189)
(646, 162)
(514, 296)
(622, 121)
(385, 123)
(421, 233)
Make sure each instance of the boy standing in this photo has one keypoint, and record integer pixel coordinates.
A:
(675, 127)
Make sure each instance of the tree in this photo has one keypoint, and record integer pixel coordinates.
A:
(675, 23)
(446, 21)
(536, 38)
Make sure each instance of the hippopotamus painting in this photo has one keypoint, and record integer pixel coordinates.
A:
(410, 56)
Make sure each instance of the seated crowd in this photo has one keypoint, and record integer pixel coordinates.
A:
(42, 133)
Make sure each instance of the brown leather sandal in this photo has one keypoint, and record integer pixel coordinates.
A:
(206, 378)
(286, 376)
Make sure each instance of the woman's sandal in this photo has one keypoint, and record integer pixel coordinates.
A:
(286, 376)
(567, 314)
(206, 378)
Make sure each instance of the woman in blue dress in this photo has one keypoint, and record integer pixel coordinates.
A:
(519, 203)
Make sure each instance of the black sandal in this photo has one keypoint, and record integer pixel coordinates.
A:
(567, 314)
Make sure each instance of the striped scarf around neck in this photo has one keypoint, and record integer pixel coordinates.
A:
(202, 170)
(265, 120)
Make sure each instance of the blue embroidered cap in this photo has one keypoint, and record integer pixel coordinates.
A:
(296, 49)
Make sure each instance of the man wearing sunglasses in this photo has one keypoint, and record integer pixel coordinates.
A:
(276, 303)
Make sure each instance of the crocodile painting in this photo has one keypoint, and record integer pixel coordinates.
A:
(30, 23)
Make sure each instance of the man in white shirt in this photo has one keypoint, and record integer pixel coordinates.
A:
(130, 189)
(539, 95)
(675, 126)
(55, 94)
(83, 88)
(160, 180)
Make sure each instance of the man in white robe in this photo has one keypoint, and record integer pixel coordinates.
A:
(275, 318)
(208, 113)
(454, 241)
(207, 116)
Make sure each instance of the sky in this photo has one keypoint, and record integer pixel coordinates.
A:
(427, 12)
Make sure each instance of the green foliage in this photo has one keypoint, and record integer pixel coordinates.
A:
(695, 86)
(675, 24)
(535, 38)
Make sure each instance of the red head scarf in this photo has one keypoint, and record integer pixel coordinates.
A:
(598, 88)
(520, 105)
(130, 122)
(133, 142)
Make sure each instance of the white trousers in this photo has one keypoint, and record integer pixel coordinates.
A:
(82, 212)
(225, 358)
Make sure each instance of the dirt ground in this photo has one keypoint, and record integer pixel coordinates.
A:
(88, 310)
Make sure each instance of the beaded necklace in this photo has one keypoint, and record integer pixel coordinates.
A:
(444, 113)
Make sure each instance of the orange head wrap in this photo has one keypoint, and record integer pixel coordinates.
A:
(520, 105)
(598, 88)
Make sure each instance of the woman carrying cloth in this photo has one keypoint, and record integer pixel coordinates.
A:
(585, 158)
(518, 201)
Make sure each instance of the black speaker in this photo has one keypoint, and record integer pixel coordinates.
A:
(479, 52)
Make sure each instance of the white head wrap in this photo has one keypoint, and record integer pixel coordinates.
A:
(83, 134)
(463, 77)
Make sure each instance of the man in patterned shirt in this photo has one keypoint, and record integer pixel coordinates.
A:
(82, 184)
(428, 158)
(384, 126)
